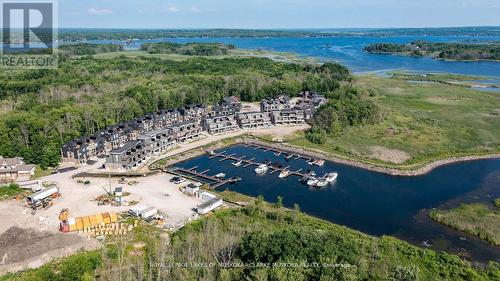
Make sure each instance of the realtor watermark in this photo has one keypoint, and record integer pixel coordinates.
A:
(28, 33)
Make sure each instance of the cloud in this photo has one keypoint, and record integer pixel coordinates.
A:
(100, 12)
(195, 9)
(173, 9)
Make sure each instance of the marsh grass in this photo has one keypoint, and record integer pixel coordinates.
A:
(427, 121)
(475, 219)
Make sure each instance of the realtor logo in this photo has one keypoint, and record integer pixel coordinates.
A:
(29, 34)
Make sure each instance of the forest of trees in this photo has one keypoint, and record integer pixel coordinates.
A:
(189, 49)
(84, 49)
(448, 51)
(42, 109)
(346, 107)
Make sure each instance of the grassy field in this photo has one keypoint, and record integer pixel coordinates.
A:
(476, 219)
(9, 191)
(422, 123)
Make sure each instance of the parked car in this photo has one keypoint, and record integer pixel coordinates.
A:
(178, 180)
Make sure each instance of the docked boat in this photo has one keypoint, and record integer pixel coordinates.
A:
(310, 162)
(312, 181)
(211, 152)
(220, 175)
(284, 173)
(319, 162)
(330, 177)
(261, 169)
(237, 164)
(289, 156)
(321, 183)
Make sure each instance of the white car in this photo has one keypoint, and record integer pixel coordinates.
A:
(178, 180)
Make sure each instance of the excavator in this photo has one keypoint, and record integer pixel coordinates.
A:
(64, 214)
(63, 217)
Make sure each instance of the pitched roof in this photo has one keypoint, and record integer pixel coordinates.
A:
(11, 161)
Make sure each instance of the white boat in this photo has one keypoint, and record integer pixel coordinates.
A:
(261, 169)
(312, 181)
(321, 183)
(284, 173)
(220, 175)
(237, 164)
(211, 152)
(310, 162)
(319, 162)
(331, 176)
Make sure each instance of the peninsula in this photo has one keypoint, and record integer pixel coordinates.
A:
(438, 50)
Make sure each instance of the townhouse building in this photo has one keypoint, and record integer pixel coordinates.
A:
(253, 120)
(220, 124)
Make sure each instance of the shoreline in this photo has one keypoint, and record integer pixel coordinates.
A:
(426, 168)
(404, 54)
(417, 171)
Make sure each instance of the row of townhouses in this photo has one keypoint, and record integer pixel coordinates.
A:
(129, 145)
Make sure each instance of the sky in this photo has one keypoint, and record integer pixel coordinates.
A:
(273, 14)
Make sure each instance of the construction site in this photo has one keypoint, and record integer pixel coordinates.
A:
(70, 213)
(79, 207)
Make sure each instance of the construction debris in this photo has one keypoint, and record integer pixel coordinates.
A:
(103, 224)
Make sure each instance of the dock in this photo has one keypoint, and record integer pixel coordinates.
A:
(212, 181)
(251, 162)
(277, 152)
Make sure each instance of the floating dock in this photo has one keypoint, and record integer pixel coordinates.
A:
(277, 152)
(212, 181)
(252, 162)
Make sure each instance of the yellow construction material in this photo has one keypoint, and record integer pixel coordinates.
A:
(89, 222)
(86, 222)
(79, 223)
(93, 221)
(99, 218)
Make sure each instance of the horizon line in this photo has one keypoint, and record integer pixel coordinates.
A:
(283, 28)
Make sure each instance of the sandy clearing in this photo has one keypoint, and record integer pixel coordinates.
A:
(153, 191)
(38, 247)
(389, 155)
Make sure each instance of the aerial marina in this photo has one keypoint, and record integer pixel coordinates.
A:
(306, 176)
(276, 143)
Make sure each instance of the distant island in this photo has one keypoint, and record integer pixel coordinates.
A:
(445, 51)
(189, 49)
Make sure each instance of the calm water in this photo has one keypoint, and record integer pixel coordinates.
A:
(349, 51)
(372, 202)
